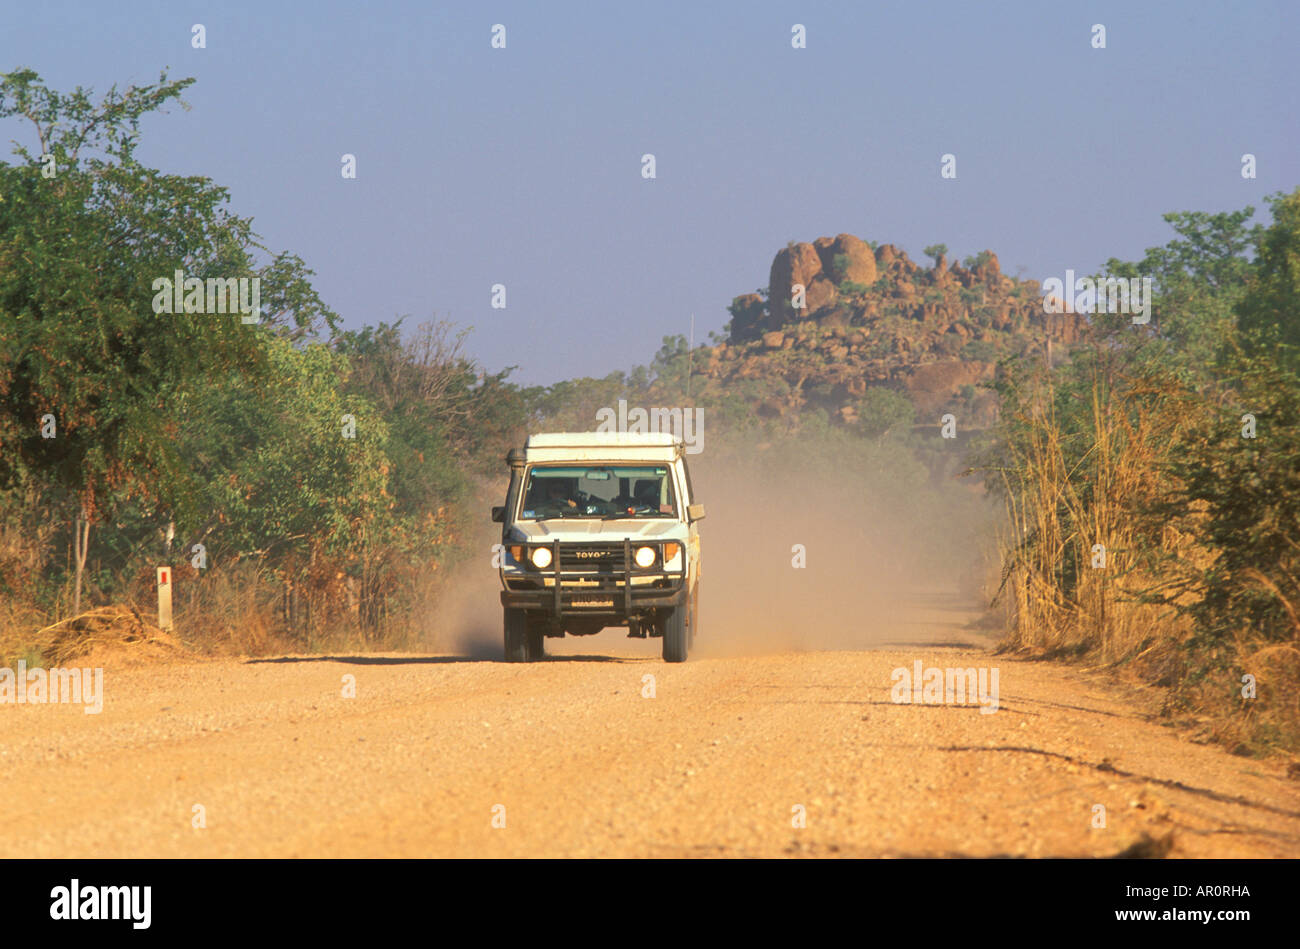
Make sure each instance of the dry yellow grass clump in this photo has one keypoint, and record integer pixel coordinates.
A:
(106, 632)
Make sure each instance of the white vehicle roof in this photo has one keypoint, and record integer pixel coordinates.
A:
(584, 439)
(595, 446)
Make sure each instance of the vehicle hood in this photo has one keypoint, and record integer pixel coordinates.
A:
(593, 530)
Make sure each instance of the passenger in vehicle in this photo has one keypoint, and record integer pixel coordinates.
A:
(647, 493)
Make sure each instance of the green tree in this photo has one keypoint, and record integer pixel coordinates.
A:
(671, 367)
(1268, 313)
(1198, 278)
(883, 411)
(85, 230)
(1238, 478)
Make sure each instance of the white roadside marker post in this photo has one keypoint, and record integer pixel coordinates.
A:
(165, 598)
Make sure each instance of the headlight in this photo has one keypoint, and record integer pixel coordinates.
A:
(644, 557)
(541, 557)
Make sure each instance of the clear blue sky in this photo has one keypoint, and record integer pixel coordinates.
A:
(522, 166)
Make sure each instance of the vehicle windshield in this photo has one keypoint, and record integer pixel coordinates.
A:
(606, 491)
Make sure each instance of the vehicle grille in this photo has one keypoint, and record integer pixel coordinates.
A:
(593, 558)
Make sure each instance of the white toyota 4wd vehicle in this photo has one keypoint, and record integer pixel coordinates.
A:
(599, 529)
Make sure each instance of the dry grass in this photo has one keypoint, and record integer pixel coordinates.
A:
(17, 623)
(227, 611)
(107, 629)
(1075, 552)
(1075, 486)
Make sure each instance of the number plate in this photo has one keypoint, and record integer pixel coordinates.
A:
(590, 600)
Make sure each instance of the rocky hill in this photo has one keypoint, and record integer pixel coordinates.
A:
(874, 317)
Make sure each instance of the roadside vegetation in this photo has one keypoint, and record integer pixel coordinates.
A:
(1152, 482)
(306, 483)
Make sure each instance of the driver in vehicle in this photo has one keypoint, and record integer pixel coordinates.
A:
(557, 493)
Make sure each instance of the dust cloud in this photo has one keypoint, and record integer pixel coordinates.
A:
(465, 613)
(890, 557)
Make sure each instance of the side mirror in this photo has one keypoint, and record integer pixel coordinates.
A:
(695, 512)
(499, 514)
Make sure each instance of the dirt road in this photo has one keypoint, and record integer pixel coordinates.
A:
(574, 758)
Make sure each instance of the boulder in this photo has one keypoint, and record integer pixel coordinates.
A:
(823, 247)
(943, 279)
(988, 270)
(821, 293)
(796, 264)
(836, 320)
(847, 258)
(1066, 327)
(932, 386)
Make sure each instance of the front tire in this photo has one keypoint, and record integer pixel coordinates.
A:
(523, 637)
(675, 634)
